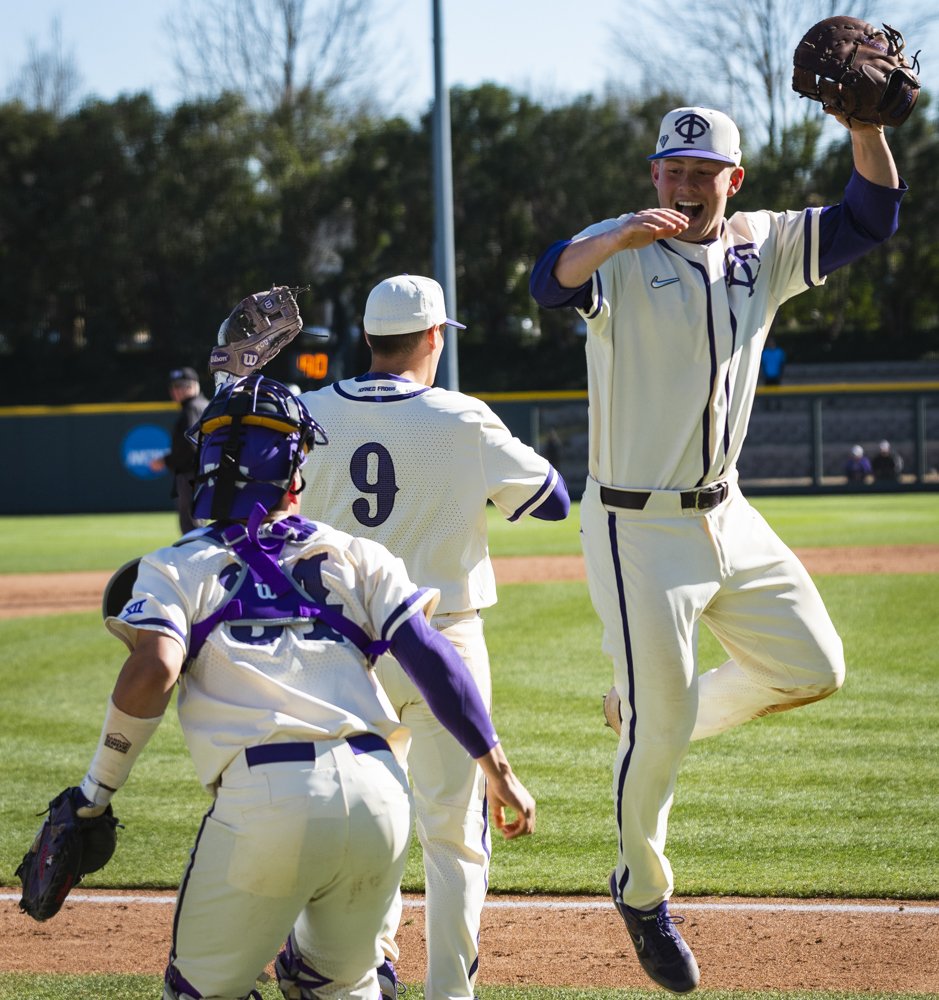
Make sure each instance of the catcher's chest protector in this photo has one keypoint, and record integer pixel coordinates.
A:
(263, 595)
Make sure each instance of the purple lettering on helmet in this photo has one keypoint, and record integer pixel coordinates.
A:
(219, 357)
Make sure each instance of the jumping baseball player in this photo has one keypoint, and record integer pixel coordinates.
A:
(270, 624)
(678, 300)
(412, 467)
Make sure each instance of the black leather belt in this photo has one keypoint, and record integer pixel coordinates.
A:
(702, 499)
(275, 753)
(627, 499)
(705, 498)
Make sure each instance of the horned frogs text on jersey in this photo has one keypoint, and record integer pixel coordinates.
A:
(251, 683)
(415, 465)
(673, 352)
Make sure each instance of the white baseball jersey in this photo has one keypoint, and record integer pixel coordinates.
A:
(673, 352)
(251, 683)
(414, 466)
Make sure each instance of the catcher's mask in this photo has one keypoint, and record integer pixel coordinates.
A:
(252, 438)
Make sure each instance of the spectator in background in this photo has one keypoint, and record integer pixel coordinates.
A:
(181, 458)
(857, 466)
(772, 361)
(552, 449)
(886, 464)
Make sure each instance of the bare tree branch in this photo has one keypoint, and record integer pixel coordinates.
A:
(271, 50)
(739, 57)
(50, 78)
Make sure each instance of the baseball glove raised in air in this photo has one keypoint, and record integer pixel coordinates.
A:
(67, 848)
(256, 331)
(857, 70)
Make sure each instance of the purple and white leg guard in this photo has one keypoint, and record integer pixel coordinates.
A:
(177, 987)
(296, 979)
(388, 983)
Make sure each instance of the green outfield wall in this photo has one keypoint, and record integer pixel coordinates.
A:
(95, 458)
(85, 459)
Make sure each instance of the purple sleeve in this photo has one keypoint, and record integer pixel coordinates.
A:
(438, 670)
(544, 287)
(557, 506)
(867, 216)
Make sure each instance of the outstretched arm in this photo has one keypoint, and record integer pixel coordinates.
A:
(872, 157)
(439, 673)
(869, 212)
(580, 259)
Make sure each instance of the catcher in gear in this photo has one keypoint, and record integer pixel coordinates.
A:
(270, 624)
(858, 72)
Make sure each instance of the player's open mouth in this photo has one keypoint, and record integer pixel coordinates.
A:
(690, 208)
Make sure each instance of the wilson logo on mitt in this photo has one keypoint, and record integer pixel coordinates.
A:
(261, 325)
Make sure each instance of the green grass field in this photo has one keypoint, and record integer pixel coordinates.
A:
(801, 522)
(135, 987)
(52, 543)
(837, 798)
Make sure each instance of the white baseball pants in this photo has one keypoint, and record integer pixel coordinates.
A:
(452, 818)
(314, 847)
(653, 575)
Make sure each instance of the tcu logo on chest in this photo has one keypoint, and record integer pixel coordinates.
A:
(742, 265)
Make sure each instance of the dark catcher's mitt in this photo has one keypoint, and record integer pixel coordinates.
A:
(67, 848)
(257, 329)
(857, 70)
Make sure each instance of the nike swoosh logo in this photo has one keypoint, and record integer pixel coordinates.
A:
(655, 283)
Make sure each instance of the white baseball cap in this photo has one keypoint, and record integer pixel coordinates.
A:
(698, 132)
(405, 303)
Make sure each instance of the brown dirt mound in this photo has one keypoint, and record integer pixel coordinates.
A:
(25, 594)
(842, 561)
(742, 948)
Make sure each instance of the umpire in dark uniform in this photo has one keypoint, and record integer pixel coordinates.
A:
(181, 458)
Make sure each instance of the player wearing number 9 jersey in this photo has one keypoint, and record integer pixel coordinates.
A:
(412, 467)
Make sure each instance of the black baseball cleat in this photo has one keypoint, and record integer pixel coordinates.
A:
(661, 950)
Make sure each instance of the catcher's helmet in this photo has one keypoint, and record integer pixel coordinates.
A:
(252, 438)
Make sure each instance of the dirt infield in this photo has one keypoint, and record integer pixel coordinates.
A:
(739, 944)
(819, 562)
(744, 944)
(52, 593)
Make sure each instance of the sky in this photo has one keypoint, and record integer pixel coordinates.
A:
(552, 49)
(548, 47)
